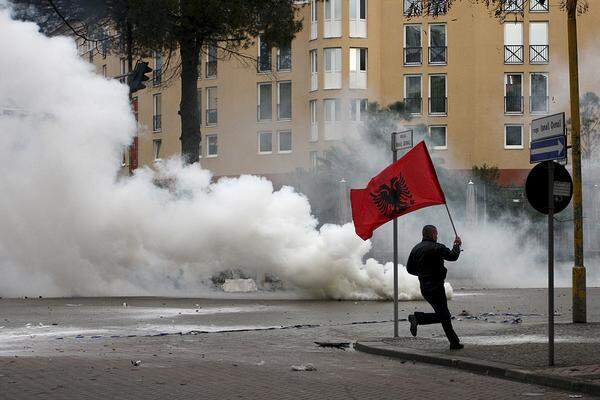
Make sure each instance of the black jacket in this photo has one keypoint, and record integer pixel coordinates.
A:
(427, 259)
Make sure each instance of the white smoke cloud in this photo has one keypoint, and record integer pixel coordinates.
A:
(70, 227)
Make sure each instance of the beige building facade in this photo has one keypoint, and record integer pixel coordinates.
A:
(476, 82)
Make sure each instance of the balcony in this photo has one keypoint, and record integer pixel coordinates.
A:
(513, 54)
(539, 54)
(414, 105)
(413, 7)
(264, 64)
(157, 77)
(537, 6)
(413, 55)
(538, 104)
(513, 6)
(284, 62)
(211, 69)
(438, 55)
(156, 123)
(513, 104)
(211, 116)
(438, 105)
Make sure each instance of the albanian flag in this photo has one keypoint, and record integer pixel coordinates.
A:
(405, 186)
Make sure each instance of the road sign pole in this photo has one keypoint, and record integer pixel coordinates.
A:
(395, 158)
(550, 262)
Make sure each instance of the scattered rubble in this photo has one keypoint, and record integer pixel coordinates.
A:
(136, 363)
(304, 367)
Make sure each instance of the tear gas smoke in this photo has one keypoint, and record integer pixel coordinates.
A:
(70, 227)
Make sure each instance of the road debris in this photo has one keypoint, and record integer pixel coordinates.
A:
(304, 367)
(136, 363)
(336, 345)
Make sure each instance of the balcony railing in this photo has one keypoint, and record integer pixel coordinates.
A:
(539, 54)
(157, 77)
(264, 112)
(438, 55)
(284, 62)
(538, 104)
(438, 105)
(414, 105)
(513, 54)
(211, 69)
(536, 5)
(211, 116)
(513, 104)
(413, 55)
(264, 64)
(156, 123)
(513, 6)
(413, 7)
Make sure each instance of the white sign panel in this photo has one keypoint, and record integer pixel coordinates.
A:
(546, 127)
(404, 140)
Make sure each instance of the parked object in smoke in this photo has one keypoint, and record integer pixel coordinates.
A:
(239, 286)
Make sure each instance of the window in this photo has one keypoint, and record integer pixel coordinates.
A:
(358, 68)
(539, 51)
(513, 43)
(539, 93)
(358, 18)
(313, 19)
(413, 7)
(123, 70)
(211, 62)
(358, 109)
(265, 143)
(264, 55)
(158, 64)
(285, 141)
(265, 102)
(412, 94)
(314, 127)
(213, 148)
(513, 136)
(284, 58)
(333, 68)
(333, 116)
(104, 70)
(156, 145)
(412, 44)
(284, 100)
(211, 106)
(314, 69)
(437, 7)
(513, 93)
(438, 137)
(199, 104)
(313, 159)
(437, 95)
(156, 113)
(437, 44)
(538, 5)
(200, 148)
(333, 18)
(515, 6)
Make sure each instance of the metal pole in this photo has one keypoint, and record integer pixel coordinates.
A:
(550, 262)
(395, 158)
(451, 221)
(579, 285)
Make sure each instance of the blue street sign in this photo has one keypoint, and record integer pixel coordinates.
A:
(554, 148)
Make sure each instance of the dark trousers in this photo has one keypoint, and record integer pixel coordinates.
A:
(436, 296)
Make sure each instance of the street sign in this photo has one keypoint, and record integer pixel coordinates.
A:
(547, 127)
(536, 188)
(554, 148)
(402, 140)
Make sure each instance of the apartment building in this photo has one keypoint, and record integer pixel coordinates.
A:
(476, 82)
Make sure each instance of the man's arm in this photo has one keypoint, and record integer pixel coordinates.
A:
(451, 255)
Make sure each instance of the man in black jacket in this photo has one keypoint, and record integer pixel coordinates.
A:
(426, 260)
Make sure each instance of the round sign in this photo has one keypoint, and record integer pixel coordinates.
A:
(536, 187)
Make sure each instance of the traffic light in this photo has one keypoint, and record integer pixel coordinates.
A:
(138, 76)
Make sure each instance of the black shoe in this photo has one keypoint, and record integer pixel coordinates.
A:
(413, 324)
(456, 346)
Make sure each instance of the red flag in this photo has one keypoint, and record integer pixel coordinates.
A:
(405, 186)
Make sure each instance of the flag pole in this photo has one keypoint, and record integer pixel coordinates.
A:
(451, 221)
(395, 239)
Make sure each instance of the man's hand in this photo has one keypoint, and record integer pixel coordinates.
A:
(457, 241)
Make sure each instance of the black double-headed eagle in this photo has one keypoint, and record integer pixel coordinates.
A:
(393, 199)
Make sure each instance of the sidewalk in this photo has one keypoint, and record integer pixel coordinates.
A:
(522, 357)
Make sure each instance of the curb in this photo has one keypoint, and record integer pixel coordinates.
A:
(482, 367)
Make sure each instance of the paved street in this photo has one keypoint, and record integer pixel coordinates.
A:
(83, 348)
